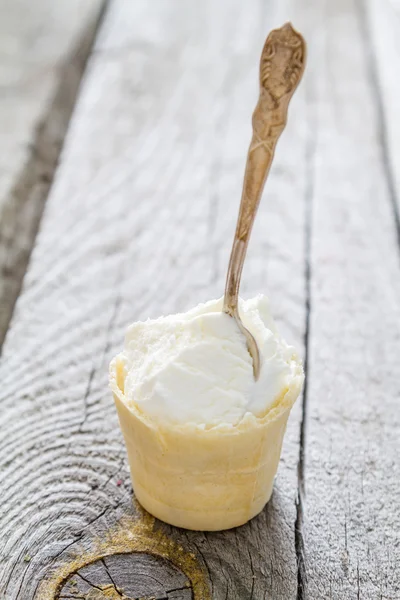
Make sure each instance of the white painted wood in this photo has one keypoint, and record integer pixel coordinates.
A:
(352, 518)
(151, 172)
(43, 49)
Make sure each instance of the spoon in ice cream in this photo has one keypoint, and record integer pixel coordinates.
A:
(281, 68)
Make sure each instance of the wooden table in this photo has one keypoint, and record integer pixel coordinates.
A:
(129, 123)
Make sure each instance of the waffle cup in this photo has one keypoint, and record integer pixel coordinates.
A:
(198, 478)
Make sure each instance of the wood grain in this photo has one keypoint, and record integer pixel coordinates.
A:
(131, 575)
(139, 223)
(351, 513)
(43, 51)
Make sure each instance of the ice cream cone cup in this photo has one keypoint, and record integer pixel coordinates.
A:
(203, 478)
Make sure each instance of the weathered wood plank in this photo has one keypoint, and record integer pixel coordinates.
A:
(382, 28)
(352, 519)
(151, 171)
(43, 51)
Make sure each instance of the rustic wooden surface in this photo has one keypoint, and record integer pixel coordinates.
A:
(150, 173)
(352, 518)
(43, 50)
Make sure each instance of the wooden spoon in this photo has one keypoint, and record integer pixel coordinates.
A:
(281, 68)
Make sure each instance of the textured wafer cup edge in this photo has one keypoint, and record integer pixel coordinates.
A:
(204, 479)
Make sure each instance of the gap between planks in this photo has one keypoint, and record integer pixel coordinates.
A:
(311, 146)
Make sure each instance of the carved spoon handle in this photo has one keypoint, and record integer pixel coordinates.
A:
(281, 68)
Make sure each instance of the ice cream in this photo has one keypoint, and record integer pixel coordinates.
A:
(195, 367)
(204, 437)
